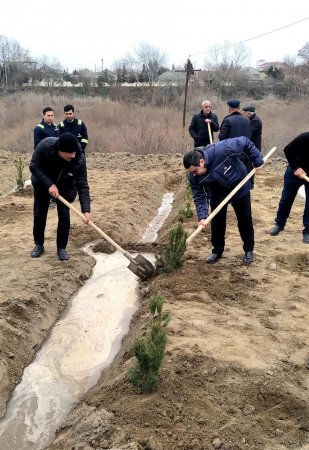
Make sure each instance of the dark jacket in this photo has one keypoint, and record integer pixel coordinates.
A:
(198, 128)
(234, 125)
(214, 155)
(47, 168)
(297, 152)
(256, 131)
(44, 130)
(78, 128)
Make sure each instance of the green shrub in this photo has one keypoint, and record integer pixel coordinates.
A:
(20, 165)
(150, 351)
(174, 253)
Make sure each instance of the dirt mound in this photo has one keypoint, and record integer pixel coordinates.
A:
(234, 374)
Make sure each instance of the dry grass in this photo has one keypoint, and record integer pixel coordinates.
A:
(115, 127)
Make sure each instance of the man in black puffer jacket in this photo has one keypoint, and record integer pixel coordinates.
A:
(58, 167)
(198, 128)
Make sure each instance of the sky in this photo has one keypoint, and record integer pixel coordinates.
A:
(81, 34)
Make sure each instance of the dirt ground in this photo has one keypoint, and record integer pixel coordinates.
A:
(234, 375)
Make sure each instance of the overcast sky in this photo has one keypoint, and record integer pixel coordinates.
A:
(82, 33)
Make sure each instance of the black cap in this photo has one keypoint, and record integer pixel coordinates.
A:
(233, 103)
(68, 143)
(249, 108)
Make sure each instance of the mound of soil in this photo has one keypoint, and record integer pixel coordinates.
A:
(234, 374)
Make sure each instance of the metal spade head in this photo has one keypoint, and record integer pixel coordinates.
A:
(141, 267)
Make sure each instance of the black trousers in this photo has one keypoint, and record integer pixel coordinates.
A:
(40, 211)
(242, 208)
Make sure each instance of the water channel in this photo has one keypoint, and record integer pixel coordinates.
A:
(81, 345)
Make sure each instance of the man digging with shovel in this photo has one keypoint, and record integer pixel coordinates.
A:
(58, 167)
(217, 170)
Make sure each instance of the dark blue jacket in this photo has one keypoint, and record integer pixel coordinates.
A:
(78, 128)
(198, 128)
(47, 168)
(44, 130)
(235, 125)
(213, 156)
(256, 131)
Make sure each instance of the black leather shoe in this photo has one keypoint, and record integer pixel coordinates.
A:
(63, 254)
(213, 258)
(37, 251)
(306, 238)
(248, 257)
(275, 230)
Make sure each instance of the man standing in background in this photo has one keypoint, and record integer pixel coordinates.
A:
(256, 134)
(235, 124)
(74, 126)
(198, 128)
(46, 128)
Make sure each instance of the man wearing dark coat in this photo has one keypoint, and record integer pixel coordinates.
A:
(235, 124)
(58, 167)
(198, 128)
(255, 124)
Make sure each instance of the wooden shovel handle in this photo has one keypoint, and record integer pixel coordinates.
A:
(227, 198)
(209, 132)
(305, 177)
(95, 227)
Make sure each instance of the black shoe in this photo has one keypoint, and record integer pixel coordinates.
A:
(62, 254)
(213, 258)
(248, 257)
(37, 251)
(306, 238)
(275, 230)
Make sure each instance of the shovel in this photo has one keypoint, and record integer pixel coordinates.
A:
(227, 199)
(209, 132)
(305, 177)
(138, 265)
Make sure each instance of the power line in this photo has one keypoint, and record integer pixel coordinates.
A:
(256, 37)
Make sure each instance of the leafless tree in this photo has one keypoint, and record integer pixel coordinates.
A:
(225, 61)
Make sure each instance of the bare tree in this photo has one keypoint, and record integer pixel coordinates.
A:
(304, 53)
(151, 58)
(14, 62)
(225, 61)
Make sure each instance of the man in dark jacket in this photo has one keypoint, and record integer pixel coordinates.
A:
(256, 133)
(235, 124)
(46, 128)
(255, 125)
(198, 128)
(218, 169)
(297, 154)
(75, 126)
(58, 167)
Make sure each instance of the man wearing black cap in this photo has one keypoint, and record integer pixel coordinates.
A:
(235, 124)
(255, 124)
(58, 167)
(256, 134)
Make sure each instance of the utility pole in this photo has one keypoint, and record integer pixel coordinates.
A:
(189, 71)
(102, 66)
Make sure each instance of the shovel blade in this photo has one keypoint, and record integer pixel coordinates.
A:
(141, 267)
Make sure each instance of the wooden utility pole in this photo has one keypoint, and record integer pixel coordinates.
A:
(189, 71)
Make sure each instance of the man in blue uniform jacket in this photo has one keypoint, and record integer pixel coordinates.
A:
(215, 170)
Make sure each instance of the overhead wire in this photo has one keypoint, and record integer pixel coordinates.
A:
(255, 37)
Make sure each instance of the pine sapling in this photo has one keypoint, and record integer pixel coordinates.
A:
(175, 250)
(20, 165)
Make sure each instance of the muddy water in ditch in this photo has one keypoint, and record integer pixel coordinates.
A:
(81, 345)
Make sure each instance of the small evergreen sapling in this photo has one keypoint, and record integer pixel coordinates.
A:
(149, 351)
